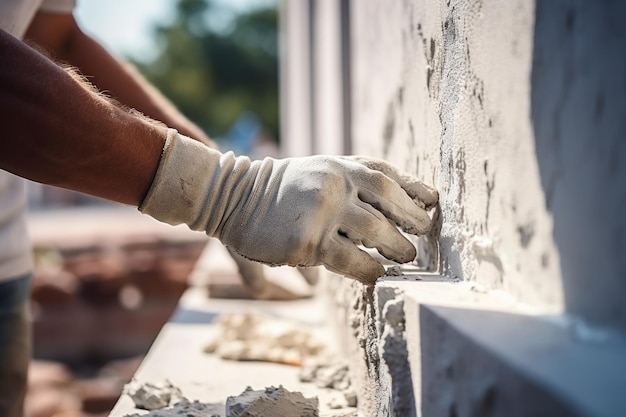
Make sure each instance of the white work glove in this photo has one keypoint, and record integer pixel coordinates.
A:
(295, 211)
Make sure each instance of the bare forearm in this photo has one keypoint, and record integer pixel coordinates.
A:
(127, 85)
(59, 131)
(61, 36)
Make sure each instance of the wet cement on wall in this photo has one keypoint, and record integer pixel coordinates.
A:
(445, 85)
(514, 111)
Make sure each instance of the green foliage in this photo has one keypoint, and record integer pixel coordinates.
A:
(214, 64)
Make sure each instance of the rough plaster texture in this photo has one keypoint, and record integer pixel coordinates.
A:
(515, 111)
(450, 101)
(271, 401)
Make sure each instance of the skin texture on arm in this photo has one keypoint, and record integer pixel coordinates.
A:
(60, 36)
(58, 130)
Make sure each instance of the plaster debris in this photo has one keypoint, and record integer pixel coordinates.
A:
(274, 402)
(342, 399)
(150, 396)
(255, 337)
(393, 271)
(326, 374)
(185, 409)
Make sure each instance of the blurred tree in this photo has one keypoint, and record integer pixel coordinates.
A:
(215, 64)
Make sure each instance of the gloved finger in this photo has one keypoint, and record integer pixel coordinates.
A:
(343, 257)
(364, 224)
(413, 186)
(388, 197)
(251, 272)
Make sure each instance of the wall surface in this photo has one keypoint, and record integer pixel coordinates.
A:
(578, 103)
(444, 92)
(515, 111)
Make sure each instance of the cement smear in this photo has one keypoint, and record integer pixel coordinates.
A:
(150, 396)
(276, 402)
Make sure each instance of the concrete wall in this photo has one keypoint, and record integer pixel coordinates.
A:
(516, 111)
(443, 91)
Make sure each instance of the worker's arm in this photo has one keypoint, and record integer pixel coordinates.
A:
(295, 211)
(62, 38)
(57, 130)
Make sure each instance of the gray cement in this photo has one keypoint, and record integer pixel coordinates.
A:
(163, 399)
(153, 396)
(272, 401)
(185, 409)
(332, 374)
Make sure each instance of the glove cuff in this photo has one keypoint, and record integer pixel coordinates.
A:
(192, 184)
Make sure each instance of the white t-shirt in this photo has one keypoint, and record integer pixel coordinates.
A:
(15, 246)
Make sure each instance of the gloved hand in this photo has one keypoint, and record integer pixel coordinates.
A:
(295, 211)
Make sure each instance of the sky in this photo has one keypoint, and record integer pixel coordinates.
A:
(124, 26)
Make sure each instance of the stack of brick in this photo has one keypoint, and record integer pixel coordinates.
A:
(106, 280)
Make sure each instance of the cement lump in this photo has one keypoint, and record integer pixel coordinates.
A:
(275, 402)
(325, 374)
(249, 336)
(332, 375)
(185, 409)
(166, 400)
(342, 399)
(270, 402)
(150, 396)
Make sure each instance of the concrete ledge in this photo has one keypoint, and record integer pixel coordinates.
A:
(178, 354)
(488, 363)
(423, 345)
